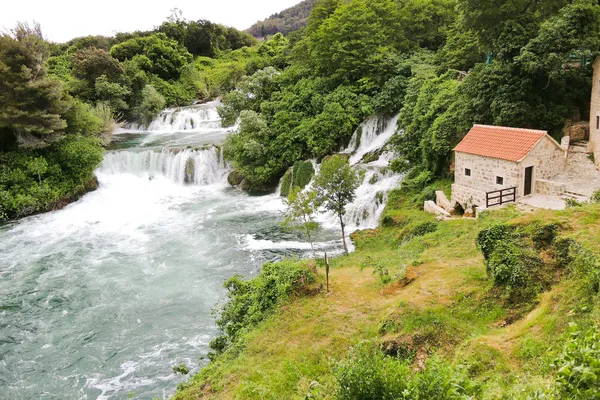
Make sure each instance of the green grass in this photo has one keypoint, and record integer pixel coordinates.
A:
(440, 302)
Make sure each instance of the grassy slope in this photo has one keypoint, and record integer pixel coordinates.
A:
(445, 304)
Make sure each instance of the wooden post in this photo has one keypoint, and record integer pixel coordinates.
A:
(327, 271)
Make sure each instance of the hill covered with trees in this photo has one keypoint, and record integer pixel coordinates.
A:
(285, 22)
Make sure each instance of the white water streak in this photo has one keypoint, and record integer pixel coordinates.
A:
(201, 167)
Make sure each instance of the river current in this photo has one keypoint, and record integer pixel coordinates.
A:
(99, 300)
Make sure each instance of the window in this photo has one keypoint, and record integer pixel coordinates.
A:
(499, 180)
(597, 122)
(467, 172)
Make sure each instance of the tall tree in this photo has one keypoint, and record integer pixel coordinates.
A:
(31, 102)
(300, 213)
(336, 186)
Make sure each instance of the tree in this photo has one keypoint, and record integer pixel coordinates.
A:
(31, 102)
(336, 188)
(300, 212)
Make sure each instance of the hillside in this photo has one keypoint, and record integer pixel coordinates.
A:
(416, 297)
(285, 22)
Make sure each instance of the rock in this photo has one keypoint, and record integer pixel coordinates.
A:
(297, 176)
(430, 207)
(235, 178)
(578, 131)
(190, 167)
(442, 201)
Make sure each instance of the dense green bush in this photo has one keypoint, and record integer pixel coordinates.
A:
(580, 262)
(33, 180)
(368, 374)
(249, 302)
(510, 265)
(578, 366)
(489, 238)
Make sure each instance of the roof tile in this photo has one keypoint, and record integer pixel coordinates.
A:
(511, 144)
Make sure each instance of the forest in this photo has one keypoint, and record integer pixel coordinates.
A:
(284, 22)
(443, 65)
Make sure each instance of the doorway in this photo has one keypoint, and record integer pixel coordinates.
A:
(528, 181)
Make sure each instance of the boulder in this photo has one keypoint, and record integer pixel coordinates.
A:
(430, 207)
(235, 178)
(578, 131)
(442, 201)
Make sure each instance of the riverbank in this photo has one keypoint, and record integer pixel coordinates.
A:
(418, 289)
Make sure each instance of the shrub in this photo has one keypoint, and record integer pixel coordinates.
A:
(580, 262)
(250, 302)
(369, 374)
(488, 239)
(578, 375)
(573, 203)
(595, 197)
(510, 265)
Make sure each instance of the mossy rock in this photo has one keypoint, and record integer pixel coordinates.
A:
(370, 157)
(297, 176)
(190, 167)
(235, 178)
(286, 183)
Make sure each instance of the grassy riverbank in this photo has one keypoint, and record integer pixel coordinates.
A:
(438, 309)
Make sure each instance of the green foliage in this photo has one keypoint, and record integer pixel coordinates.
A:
(152, 104)
(300, 213)
(164, 57)
(578, 366)
(181, 369)
(489, 238)
(336, 186)
(297, 176)
(595, 196)
(285, 22)
(367, 373)
(31, 102)
(251, 302)
(33, 180)
(510, 265)
(580, 262)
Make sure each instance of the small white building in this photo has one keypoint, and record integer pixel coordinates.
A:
(496, 165)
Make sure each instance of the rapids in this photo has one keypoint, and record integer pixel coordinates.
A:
(99, 300)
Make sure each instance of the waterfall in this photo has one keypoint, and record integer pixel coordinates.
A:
(377, 179)
(201, 167)
(371, 136)
(196, 118)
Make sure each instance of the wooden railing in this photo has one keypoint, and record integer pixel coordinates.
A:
(499, 197)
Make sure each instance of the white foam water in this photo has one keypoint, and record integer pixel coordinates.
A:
(202, 167)
(371, 136)
(196, 118)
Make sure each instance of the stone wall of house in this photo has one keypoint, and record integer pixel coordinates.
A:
(467, 197)
(549, 188)
(547, 158)
(484, 171)
(595, 113)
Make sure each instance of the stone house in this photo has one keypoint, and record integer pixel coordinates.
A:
(594, 144)
(494, 163)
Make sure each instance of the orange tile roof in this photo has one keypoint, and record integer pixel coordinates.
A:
(511, 144)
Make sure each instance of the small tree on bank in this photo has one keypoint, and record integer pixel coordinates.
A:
(301, 207)
(336, 188)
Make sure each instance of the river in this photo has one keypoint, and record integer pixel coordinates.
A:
(99, 300)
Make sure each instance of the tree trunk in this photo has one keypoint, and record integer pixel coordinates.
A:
(312, 247)
(343, 234)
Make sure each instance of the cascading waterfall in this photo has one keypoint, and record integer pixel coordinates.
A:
(371, 136)
(197, 118)
(201, 167)
(377, 181)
